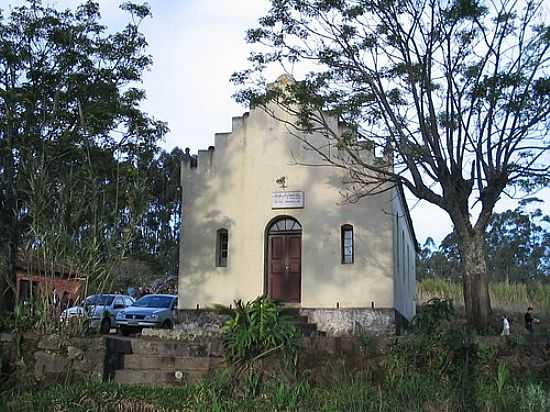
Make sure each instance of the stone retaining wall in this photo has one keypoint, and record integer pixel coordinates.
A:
(8, 354)
(353, 322)
(53, 358)
(200, 321)
(334, 322)
(69, 359)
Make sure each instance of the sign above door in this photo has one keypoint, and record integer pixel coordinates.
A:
(287, 200)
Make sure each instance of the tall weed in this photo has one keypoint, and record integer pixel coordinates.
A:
(505, 296)
(534, 399)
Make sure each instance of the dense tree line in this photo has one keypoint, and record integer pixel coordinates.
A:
(83, 182)
(518, 249)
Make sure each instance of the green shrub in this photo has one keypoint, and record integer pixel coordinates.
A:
(432, 314)
(7, 322)
(258, 328)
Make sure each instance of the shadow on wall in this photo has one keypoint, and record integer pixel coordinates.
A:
(369, 246)
(373, 254)
(199, 242)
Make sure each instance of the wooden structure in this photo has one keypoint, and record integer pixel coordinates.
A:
(35, 279)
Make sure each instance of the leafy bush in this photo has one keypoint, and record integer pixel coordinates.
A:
(433, 313)
(256, 329)
(7, 322)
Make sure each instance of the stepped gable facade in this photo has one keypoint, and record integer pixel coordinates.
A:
(256, 220)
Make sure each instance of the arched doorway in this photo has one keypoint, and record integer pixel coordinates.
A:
(284, 259)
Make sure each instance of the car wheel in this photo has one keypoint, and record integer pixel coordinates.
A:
(167, 324)
(105, 326)
(124, 331)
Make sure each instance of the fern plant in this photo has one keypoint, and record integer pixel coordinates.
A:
(256, 329)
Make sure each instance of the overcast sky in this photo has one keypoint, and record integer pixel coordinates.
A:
(196, 45)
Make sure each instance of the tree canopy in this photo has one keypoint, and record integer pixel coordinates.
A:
(82, 179)
(518, 249)
(456, 94)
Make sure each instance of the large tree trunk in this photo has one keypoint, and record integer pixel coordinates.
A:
(477, 303)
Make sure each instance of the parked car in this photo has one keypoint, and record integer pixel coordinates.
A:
(150, 311)
(101, 309)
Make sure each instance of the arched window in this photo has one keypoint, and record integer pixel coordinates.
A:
(347, 244)
(285, 225)
(222, 240)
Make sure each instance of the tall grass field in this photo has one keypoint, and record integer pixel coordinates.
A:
(505, 296)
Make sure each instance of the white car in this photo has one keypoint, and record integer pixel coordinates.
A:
(150, 311)
(101, 309)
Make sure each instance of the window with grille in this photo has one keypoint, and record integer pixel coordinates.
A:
(222, 241)
(347, 244)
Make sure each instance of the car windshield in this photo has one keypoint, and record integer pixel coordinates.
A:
(154, 301)
(104, 300)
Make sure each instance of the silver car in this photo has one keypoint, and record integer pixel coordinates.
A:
(101, 309)
(150, 311)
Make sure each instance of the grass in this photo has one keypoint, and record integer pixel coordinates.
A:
(415, 392)
(505, 296)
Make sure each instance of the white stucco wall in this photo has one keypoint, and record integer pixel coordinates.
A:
(232, 187)
(404, 259)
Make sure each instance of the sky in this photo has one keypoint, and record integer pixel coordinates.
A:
(196, 45)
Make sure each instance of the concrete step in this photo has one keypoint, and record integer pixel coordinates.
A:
(155, 377)
(302, 322)
(299, 319)
(313, 332)
(159, 347)
(307, 329)
(171, 363)
(290, 311)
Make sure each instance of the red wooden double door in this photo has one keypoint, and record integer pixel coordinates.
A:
(284, 264)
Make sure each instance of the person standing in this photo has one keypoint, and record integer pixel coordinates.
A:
(529, 320)
(505, 326)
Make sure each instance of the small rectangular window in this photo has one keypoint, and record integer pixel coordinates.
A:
(347, 244)
(222, 240)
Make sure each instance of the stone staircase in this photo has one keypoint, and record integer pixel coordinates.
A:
(164, 370)
(302, 323)
(148, 361)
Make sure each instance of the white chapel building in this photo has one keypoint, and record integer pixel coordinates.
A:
(254, 222)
